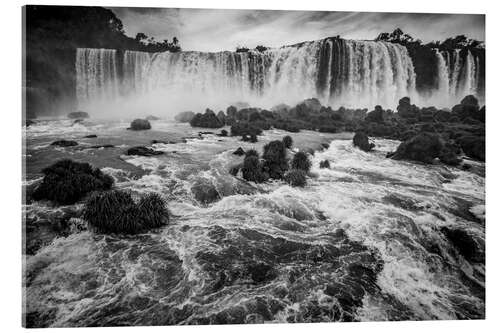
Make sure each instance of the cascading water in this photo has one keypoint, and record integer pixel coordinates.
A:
(338, 72)
(443, 75)
(97, 75)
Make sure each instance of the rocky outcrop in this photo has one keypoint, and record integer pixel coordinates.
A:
(64, 143)
(139, 125)
(360, 140)
(204, 191)
(143, 151)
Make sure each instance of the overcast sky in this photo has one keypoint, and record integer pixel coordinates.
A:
(215, 30)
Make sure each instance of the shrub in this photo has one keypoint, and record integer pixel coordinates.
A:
(275, 161)
(223, 133)
(66, 182)
(301, 162)
(252, 152)
(139, 124)
(116, 212)
(288, 141)
(244, 128)
(207, 120)
(252, 169)
(325, 164)
(360, 140)
(296, 178)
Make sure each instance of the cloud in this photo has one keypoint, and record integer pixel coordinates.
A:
(216, 29)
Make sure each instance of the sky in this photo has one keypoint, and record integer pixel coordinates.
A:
(217, 30)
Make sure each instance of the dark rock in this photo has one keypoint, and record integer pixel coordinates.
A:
(139, 125)
(204, 191)
(325, 164)
(465, 244)
(78, 115)
(296, 178)
(207, 120)
(360, 140)
(300, 161)
(29, 122)
(442, 116)
(102, 146)
(185, 116)
(90, 136)
(64, 143)
(261, 272)
(143, 151)
(65, 182)
(239, 152)
(275, 159)
(473, 147)
(424, 147)
(223, 133)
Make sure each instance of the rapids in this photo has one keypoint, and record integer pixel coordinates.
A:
(362, 241)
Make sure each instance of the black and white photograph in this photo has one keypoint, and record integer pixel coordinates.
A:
(197, 166)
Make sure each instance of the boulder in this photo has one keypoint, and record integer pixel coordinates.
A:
(473, 146)
(360, 140)
(204, 191)
(424, 147)
(78, 115)
(143, 151)
(239, 152)
(64, 143)
(184, 117)
(90, 136)
(207, 120)
(466, 245)
(139, 125)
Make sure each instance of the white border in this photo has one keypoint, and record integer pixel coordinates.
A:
(10, 122)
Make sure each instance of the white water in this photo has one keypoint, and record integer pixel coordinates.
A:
(357, 74)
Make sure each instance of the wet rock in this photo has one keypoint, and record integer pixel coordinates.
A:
(473, 147)
(78, 115)
(465, 244)
(424, 147)
(143, 151)
(64, 143)
(325, 164)
(65, 182)
(29, 122)
(207, 120)
(261, 272)
(102, 146)
(139, 125)
(185, 116)
(90, 136)
(360, 140)
(223, 133)
(204, 191)
(239, 152)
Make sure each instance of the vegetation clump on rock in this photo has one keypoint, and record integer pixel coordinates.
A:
(116, 212)
(300, 161)
(288, 141)
(66, 182)
(325, 164)
(207, 120)
(360, 140)
(139, 125)
(275, 159)
(296, 178)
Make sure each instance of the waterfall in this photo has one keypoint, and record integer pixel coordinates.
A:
(96, 75)
(443, 75)
(338, 72)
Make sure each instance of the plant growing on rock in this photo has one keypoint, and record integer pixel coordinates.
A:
(116, 212)
(275, 160)
(301, 161)
(288, 141)
(139, 125)
(66, 182)
(296, 178)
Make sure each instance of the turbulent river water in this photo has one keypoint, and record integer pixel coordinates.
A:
(362, 241)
